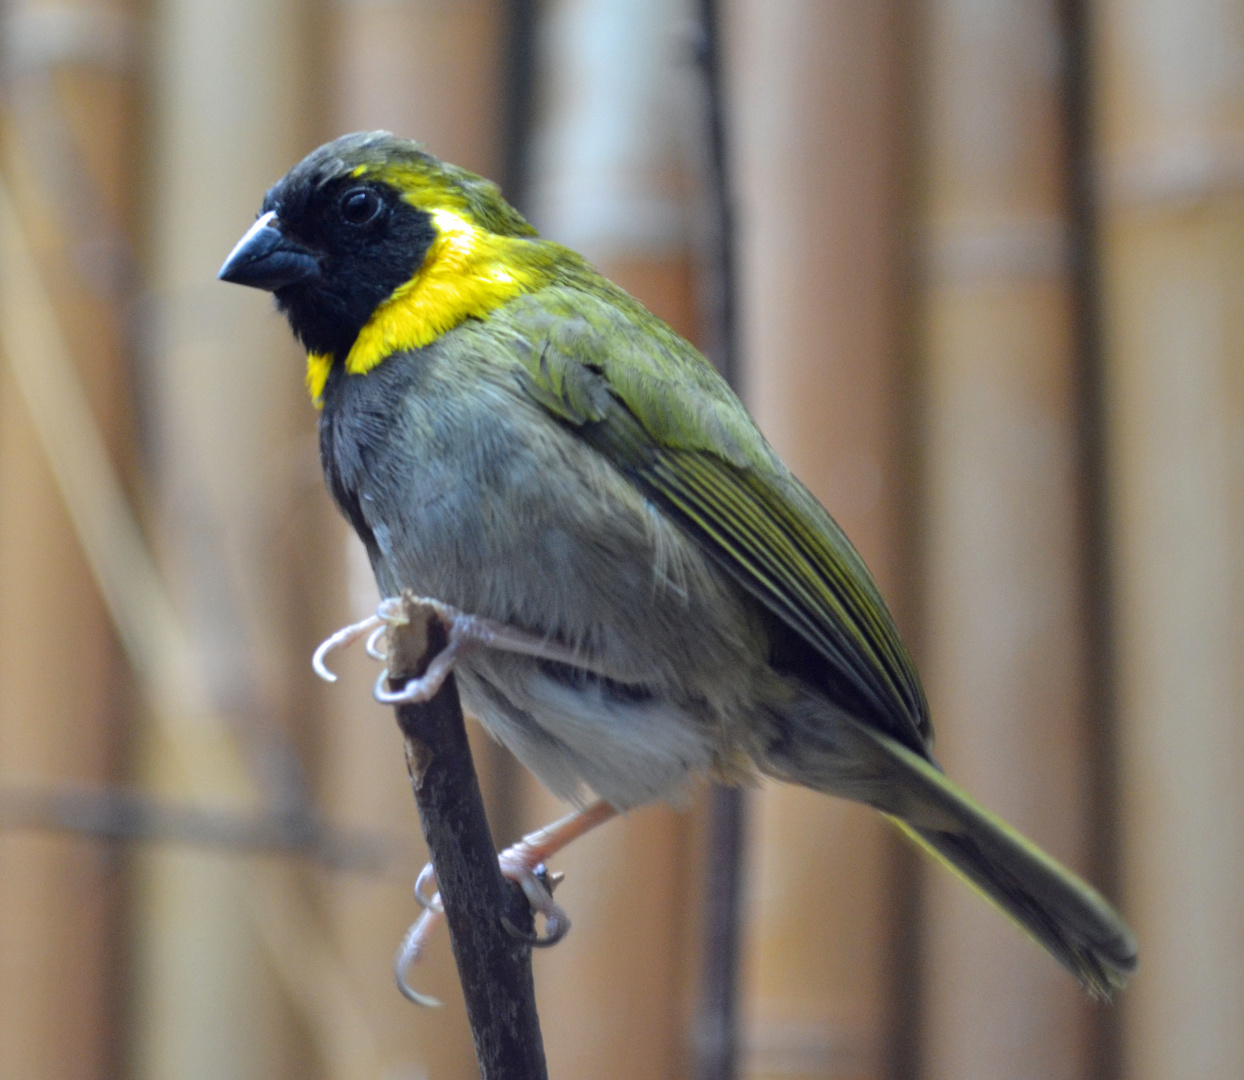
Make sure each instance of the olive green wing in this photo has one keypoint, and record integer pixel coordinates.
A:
(602, 364)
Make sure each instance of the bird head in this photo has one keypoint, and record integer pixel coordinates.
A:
(371, 245)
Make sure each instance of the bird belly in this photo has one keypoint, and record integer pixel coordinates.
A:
(575, 734)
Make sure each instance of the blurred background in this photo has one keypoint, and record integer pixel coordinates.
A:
(990, 260)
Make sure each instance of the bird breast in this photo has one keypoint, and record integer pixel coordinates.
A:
(466, 491)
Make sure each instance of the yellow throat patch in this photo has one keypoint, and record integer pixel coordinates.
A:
(467, 273)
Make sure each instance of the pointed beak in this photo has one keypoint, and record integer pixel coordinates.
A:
(267, 259)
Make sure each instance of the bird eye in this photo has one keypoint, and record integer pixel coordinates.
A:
(359, 206)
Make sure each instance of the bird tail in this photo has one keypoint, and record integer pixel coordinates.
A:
(1064, 914)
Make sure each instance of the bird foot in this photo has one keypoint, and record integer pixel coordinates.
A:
(525, 866)
(465, 632)
(520, 864)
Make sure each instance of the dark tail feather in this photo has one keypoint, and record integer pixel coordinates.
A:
(1061, 912)
(1064, 914)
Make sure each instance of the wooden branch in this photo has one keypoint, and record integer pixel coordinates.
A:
(494, 965)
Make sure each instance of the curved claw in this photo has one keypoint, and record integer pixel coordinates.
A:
(428, 685)
(390, 609)
(516, 867)
(408, 955)
(556, 927)
(373, 649)
(556, 921)
(347, 635)
(518, 864)
(379, 692)
(428, 901)
(554, 930)
(531, 940)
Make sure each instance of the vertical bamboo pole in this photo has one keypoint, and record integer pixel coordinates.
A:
(1004, 614)
(716, 1032)
(62, 689)
(608, 177)
(817, 93)
(227, 120)
(431, 71)
(1172, 124)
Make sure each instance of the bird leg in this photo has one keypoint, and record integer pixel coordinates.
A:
(522, 863)
(466, 633)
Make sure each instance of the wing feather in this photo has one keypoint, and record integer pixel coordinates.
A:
(640, 394)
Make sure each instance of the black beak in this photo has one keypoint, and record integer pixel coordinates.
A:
(266, 259)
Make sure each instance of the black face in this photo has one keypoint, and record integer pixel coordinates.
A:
(333, 251)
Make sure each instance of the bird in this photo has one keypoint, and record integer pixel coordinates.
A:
(512, 434)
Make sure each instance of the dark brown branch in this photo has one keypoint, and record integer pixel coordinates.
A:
(494, 964)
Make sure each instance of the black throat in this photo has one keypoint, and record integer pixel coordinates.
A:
(360, 267)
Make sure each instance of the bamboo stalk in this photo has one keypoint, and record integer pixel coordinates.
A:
(1172, 212)
(1005, 610)
(61, 918)
(716, 1036)
(215, 952)
(1100, 684)
(201, 756)
(818, 93)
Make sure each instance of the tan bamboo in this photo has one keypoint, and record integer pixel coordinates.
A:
(1172, 125)
(816, 92)
(62, 691)
(227, 118)
(430, 71)
(1004, 614)
(203, 757)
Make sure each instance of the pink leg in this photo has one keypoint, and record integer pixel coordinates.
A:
(534, 848)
